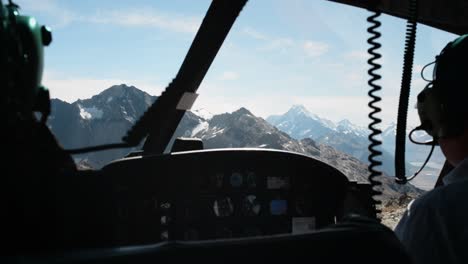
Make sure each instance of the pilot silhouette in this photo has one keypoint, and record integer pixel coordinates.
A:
(34, 161)
(434, 227)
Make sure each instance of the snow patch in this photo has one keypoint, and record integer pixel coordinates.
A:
(200, 127)
(215, 132)
(89, 113)
(305, 132)
(203, 113)
(218, 131)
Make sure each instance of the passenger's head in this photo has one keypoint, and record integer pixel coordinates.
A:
(21, 60)
(443, 104)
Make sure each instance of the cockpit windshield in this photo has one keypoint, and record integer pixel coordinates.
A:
(291, 75)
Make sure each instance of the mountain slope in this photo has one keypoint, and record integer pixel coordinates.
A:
(102, 119)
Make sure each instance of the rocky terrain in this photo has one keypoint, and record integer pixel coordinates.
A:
(393, 210)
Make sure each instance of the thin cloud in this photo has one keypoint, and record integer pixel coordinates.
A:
(356, 78)
(147, 18)
(311, 48)
(254, 34)
(270, 43)
(229, 76)
(281, 44)
(61, 17)
(357, 54)
(315, 48)
(137, 17)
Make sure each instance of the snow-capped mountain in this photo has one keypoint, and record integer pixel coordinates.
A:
(349, 138)
(346, 127)
(242, 129)
(344, 136)
(299, 123)
(102, 119)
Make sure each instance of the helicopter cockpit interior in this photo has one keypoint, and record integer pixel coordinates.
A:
(217, 205)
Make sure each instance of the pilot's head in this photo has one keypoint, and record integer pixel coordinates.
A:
(22, 41)
(443, 104)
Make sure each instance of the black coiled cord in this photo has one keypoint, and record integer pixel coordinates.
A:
(373, 126)
(410, 41)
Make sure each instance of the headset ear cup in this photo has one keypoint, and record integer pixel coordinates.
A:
(21, 50)
(440, 114)
(443, 102)
(430, 110)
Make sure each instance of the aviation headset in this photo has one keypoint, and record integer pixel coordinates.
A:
(442, 105)
(21, 61)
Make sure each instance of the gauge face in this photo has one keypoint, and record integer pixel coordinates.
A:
(236, 180)
(165, 220)
(251, 180)
(165, 235)
(278, 207)
(165, 205)
(251, 206)
(223, 207)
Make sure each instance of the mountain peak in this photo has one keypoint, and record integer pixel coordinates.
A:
(120, 90)
(299, 109)
(345, 126)
(242, 111)
(345, 122)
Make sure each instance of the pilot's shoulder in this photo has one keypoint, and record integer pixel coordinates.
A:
(428, 200)
(440, 198)
(418, 214)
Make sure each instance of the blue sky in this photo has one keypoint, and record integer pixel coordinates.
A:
(279, 53)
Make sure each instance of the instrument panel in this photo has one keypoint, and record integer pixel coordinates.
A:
(218, 194)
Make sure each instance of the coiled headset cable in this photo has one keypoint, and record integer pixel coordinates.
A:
(374, 153)
(410, 42)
